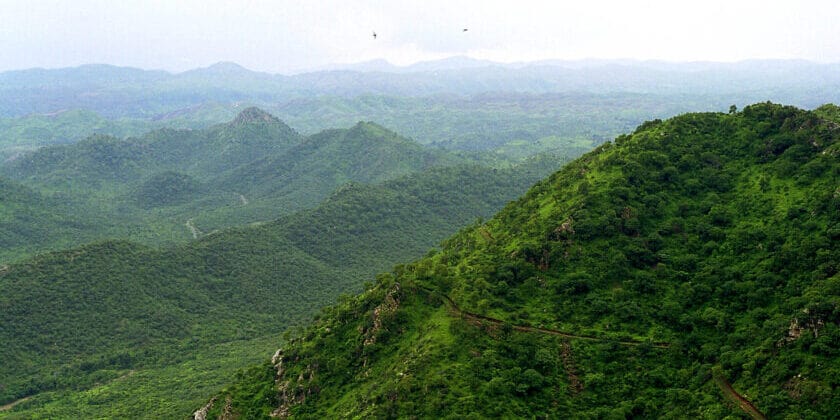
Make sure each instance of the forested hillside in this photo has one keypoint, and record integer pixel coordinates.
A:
(170, 186)
(117, 329)
(689, 269)
(253, 134)
(30, 221)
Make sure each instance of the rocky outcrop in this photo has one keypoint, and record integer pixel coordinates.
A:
(201, 414)
(797, 328)
(291, 393)
(388, 306)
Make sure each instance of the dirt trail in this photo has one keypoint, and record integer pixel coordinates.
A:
(744, 404)
(575, 385)
(526, 328)
(193, 229)
(242, 199)
(574, 382)
(12, 404)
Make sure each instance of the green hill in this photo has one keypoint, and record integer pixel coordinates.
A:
(170, 186)
(110, 185)
(116, 329)
(687, 270)
(310, 171)
(100, 158)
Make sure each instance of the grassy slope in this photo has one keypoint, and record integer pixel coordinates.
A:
(714, 233)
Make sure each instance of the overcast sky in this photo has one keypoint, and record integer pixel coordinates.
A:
(285, 36)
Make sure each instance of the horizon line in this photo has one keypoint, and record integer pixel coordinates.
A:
(349, 66)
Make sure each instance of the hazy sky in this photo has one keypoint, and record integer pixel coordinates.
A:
(284, 36)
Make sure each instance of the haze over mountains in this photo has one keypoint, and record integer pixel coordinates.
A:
(161, 232)
(128, 92)
(456, 103)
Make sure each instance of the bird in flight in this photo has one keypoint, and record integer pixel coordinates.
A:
(374, 35)
(465, 30)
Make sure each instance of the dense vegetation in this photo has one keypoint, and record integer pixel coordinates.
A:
(117, 329)
(638, 281)
(30, 221)
(170, 186)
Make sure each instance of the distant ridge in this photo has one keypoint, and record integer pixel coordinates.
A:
(103, 88)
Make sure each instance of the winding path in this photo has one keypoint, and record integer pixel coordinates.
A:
(744, 404)
(12, 404)
(193, 229)
(527, 328)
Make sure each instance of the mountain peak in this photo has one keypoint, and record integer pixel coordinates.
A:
(371, 128)
(254, 114)
(225, 67)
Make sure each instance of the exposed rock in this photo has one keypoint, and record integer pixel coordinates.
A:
(388, 306)
(227, 412)
(566, 230)
(201, 414)
(575, 384)
(290, 394)
(796, 329)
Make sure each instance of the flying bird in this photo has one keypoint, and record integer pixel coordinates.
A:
(465, 30)
(374, 35)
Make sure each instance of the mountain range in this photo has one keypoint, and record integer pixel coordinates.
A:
(128, 92)
(688, 269)
(169, 185)
(87, 326)
(163, 235)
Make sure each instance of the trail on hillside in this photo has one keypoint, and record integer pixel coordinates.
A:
(12, 404)
(744, 404)
(575, 385)
(453, 307)
(242, 199)
(13, 157)
(193, 229)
